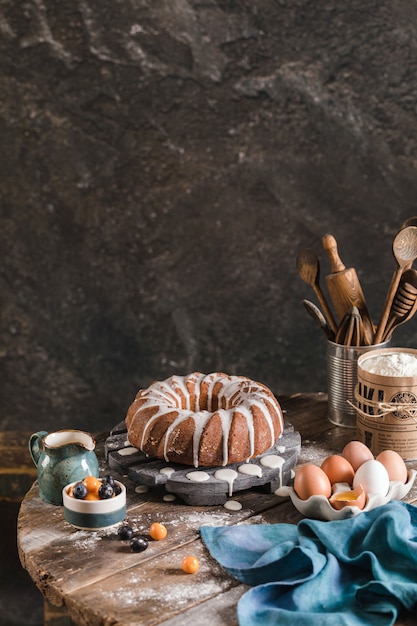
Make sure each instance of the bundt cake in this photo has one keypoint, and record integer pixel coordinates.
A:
(204, 420)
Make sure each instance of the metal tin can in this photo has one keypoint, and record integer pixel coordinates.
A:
(342, 378)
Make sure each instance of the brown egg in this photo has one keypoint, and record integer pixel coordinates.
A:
(394, 464)
(353, 497)
(310, 480)
(338, 469)
(356, 453)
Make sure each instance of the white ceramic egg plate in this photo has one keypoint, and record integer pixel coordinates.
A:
(319, 507)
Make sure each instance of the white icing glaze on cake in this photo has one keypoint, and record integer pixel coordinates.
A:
(190, 403)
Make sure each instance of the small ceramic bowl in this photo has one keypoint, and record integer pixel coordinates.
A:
(94, 514)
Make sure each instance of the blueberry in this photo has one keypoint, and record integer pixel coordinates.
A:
(79, 491)
(106, 491)
(117, 489)
(138, 544)
(125, 532)
(109, 479)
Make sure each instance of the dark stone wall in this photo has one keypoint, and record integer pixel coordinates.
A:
(162, 163)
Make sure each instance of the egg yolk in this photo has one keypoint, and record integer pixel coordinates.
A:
(353, 497)
(348, 496)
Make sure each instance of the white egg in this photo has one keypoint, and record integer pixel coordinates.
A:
(373, 477)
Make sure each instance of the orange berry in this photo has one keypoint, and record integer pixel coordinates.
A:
(190, 564)
(92, 483)
(92, 496)
(158, 531)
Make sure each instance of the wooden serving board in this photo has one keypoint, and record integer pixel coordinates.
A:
(123, 458)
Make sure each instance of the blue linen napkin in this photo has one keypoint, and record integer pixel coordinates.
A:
(360, 571)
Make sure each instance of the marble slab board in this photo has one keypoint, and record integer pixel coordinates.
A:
(122, 457)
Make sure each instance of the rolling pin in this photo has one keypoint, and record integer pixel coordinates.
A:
(345, 289)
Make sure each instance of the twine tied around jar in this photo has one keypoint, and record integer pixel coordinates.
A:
(403, 409)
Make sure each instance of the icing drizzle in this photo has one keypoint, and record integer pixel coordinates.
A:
(224, 396)
(167, 470)
(273, 461)
(228, 475)
(198, 477)
(250, 469)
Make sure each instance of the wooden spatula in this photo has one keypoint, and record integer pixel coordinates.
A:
(345, 289)
(308, 266)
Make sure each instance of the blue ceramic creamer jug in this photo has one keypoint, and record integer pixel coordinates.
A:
(62, 457)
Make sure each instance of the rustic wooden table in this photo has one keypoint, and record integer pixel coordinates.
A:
(91, 578)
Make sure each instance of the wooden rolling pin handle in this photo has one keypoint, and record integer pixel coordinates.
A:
(330, 246)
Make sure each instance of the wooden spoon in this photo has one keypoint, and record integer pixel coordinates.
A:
(404, 304)
(308, 267)
(404, 248)
(317, 315)
(410, 221)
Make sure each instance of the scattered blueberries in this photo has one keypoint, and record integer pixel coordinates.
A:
(125, 532)
(138, 544)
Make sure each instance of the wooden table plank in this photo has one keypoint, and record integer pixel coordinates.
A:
(151, 595)
(217, 611)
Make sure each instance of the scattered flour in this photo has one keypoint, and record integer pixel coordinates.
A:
(393, 364)
(176, 595)
(86, 540)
